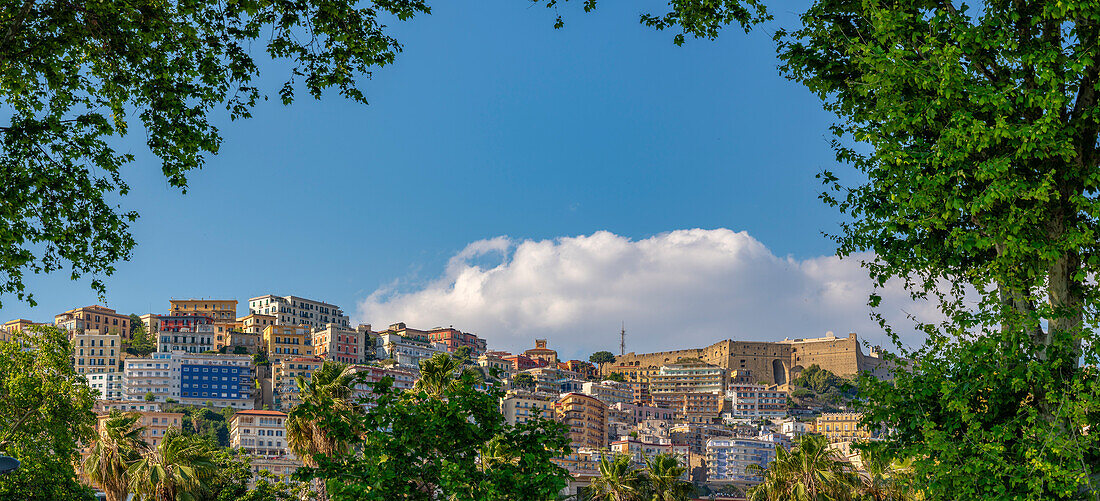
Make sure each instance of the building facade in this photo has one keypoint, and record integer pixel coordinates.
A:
(750, 401)
(284, 382)
(294, 310)
(157, 375)
(842, 427)
(728, 459)
(453, 339)
(608, 392)
(287, 341)
(259, 433)
(96, 317)
(95, 352)
(543, 356)
(341, 344)
(688, 377)
(106, 385)
(223, 380)
(219, 310)
(186, 333)
(586, 418)
(521, 406)
(407, 352)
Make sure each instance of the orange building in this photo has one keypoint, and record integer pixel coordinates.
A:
(453, 338)
(586, 417)
(96, 317)
(221, 310)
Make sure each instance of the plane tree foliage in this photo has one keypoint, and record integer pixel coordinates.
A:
(45, 413)
(974, 129)
(421, 445)
(77, 77)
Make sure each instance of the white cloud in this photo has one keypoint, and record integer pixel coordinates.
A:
(686, 288)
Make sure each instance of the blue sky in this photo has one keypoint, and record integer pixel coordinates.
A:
(491, 123)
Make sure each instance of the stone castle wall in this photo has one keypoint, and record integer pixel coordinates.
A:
(771, 362)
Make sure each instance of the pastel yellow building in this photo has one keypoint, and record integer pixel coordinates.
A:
(220, 310)
(12, 326)
(95, 352)
(842, 427)
(287, 341)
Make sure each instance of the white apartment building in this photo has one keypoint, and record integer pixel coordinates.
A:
(158, 374)
(259, 433)
(191, 378)
(750, 401)
(609, 392)
(294, 310)
(728, 458)
(105, 385)
(407, 352)
(197, 339)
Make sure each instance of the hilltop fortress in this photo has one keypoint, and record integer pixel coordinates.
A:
(773, 362)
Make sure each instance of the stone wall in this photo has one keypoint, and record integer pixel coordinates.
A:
(772, 362)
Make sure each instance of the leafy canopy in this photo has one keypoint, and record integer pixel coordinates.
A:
(77, 77)
(421, 445)
(45, 412)
(974, 127)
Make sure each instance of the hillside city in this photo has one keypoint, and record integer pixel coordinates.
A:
(718, 409)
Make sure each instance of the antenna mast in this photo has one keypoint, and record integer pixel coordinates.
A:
(622, 340)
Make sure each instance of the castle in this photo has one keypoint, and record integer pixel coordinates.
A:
(773, 362)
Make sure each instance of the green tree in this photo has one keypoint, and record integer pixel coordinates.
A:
(175, 470)
(141, 343)
(45, 412)
(808, 472)
(77, 78)
(117, 446)
(974, 128)
(618, 481)
(523, 380)
(602, 357)
(615, 376)
(234, 474)
(454, 445)
(663, 475)
(441, 372)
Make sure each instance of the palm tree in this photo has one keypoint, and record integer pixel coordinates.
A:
(328, 391)
(174, 471)
(618, 481)
(438, 375)
(118, 446)
(663, 473)
(809, 472)
(886, 479)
